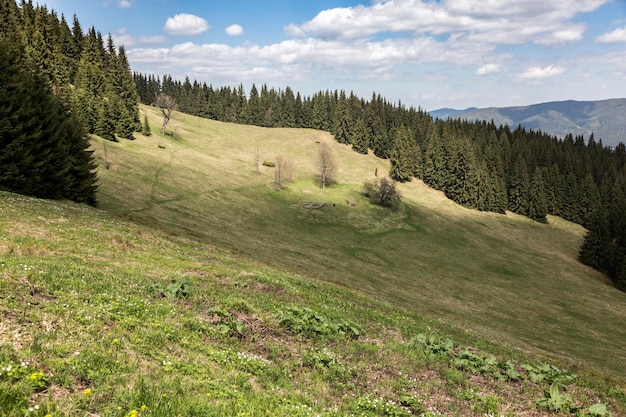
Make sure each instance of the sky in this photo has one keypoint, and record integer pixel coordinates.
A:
(423, 53)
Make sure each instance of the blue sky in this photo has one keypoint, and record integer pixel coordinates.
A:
(432, 54)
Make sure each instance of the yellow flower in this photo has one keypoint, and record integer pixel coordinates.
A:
(116, 341)
(144, 407)
(87, 391)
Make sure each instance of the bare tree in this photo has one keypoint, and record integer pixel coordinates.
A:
(283, 170)
(257, 156)
(326, 165)
(167, 105)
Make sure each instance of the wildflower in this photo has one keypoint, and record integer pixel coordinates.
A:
(144, 407)
(87, 392)
(116, 341)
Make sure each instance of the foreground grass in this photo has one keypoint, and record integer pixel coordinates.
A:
(487, 276)
(110, 318)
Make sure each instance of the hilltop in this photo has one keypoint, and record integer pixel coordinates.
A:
(603, 118)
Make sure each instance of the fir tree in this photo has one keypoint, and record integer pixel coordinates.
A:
(342, 120)
(145, 128)
(359, 137)
(400, 158)
(537, 204)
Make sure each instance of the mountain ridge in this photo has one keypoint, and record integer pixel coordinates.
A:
(603, 118)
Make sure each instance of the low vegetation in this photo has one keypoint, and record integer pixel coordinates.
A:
(499, 277)
(107, 317)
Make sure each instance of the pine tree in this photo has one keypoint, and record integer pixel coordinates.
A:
(40, 141)
(400, 158)
(145, 128)
(342, 120)
(434, 163)
(359, 137)
(518, 189)
(537, 204)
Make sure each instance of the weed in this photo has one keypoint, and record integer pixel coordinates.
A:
(177, 289)
(434, 344)
(377, 406)
(556, 401)
(598, 410)
(549, 374)
(307, 321)
(227, 324)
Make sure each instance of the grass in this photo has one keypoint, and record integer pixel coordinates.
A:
(345, 310)
(504, 278)
(108, 317)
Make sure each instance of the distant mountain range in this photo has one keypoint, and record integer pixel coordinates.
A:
(605, 118)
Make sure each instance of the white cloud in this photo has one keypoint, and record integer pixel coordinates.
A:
(122, 37)
(491, 21)
(539, 73)
(489, 69)
(125, 4)
(234, 30)
(560, 37)
(617, 36)
(186, 24)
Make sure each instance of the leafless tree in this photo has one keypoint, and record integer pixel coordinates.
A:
(326, 165)
(283, 171)
(167, 105)
(257, 156)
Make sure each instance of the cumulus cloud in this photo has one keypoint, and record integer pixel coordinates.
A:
(540, 21)
(234, 30)
(489, 69)
(539, 73)
(617, 36)
(122, 37)
(186, 24)
(125, 4)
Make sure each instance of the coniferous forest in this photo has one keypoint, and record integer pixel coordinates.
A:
(61, 83)
(58, 85)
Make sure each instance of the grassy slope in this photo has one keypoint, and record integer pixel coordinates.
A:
(85, 331)
(80, 303)
(503, 277)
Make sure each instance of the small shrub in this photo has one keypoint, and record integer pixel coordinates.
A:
(269, 164)
(382, 191)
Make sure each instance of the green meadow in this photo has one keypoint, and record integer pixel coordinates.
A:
(499, 276)
(198, 288)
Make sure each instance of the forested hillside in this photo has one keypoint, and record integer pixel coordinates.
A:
(477, 164)
(58, 85)
(603, 118)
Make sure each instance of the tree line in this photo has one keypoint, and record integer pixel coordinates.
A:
(477, 164)
(59, 84)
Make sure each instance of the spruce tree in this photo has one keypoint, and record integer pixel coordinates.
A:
(342, 120)
(145, 128)
(359, 137)
(400, 158)
(537, 204)
(518, 188)
(42, 147)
